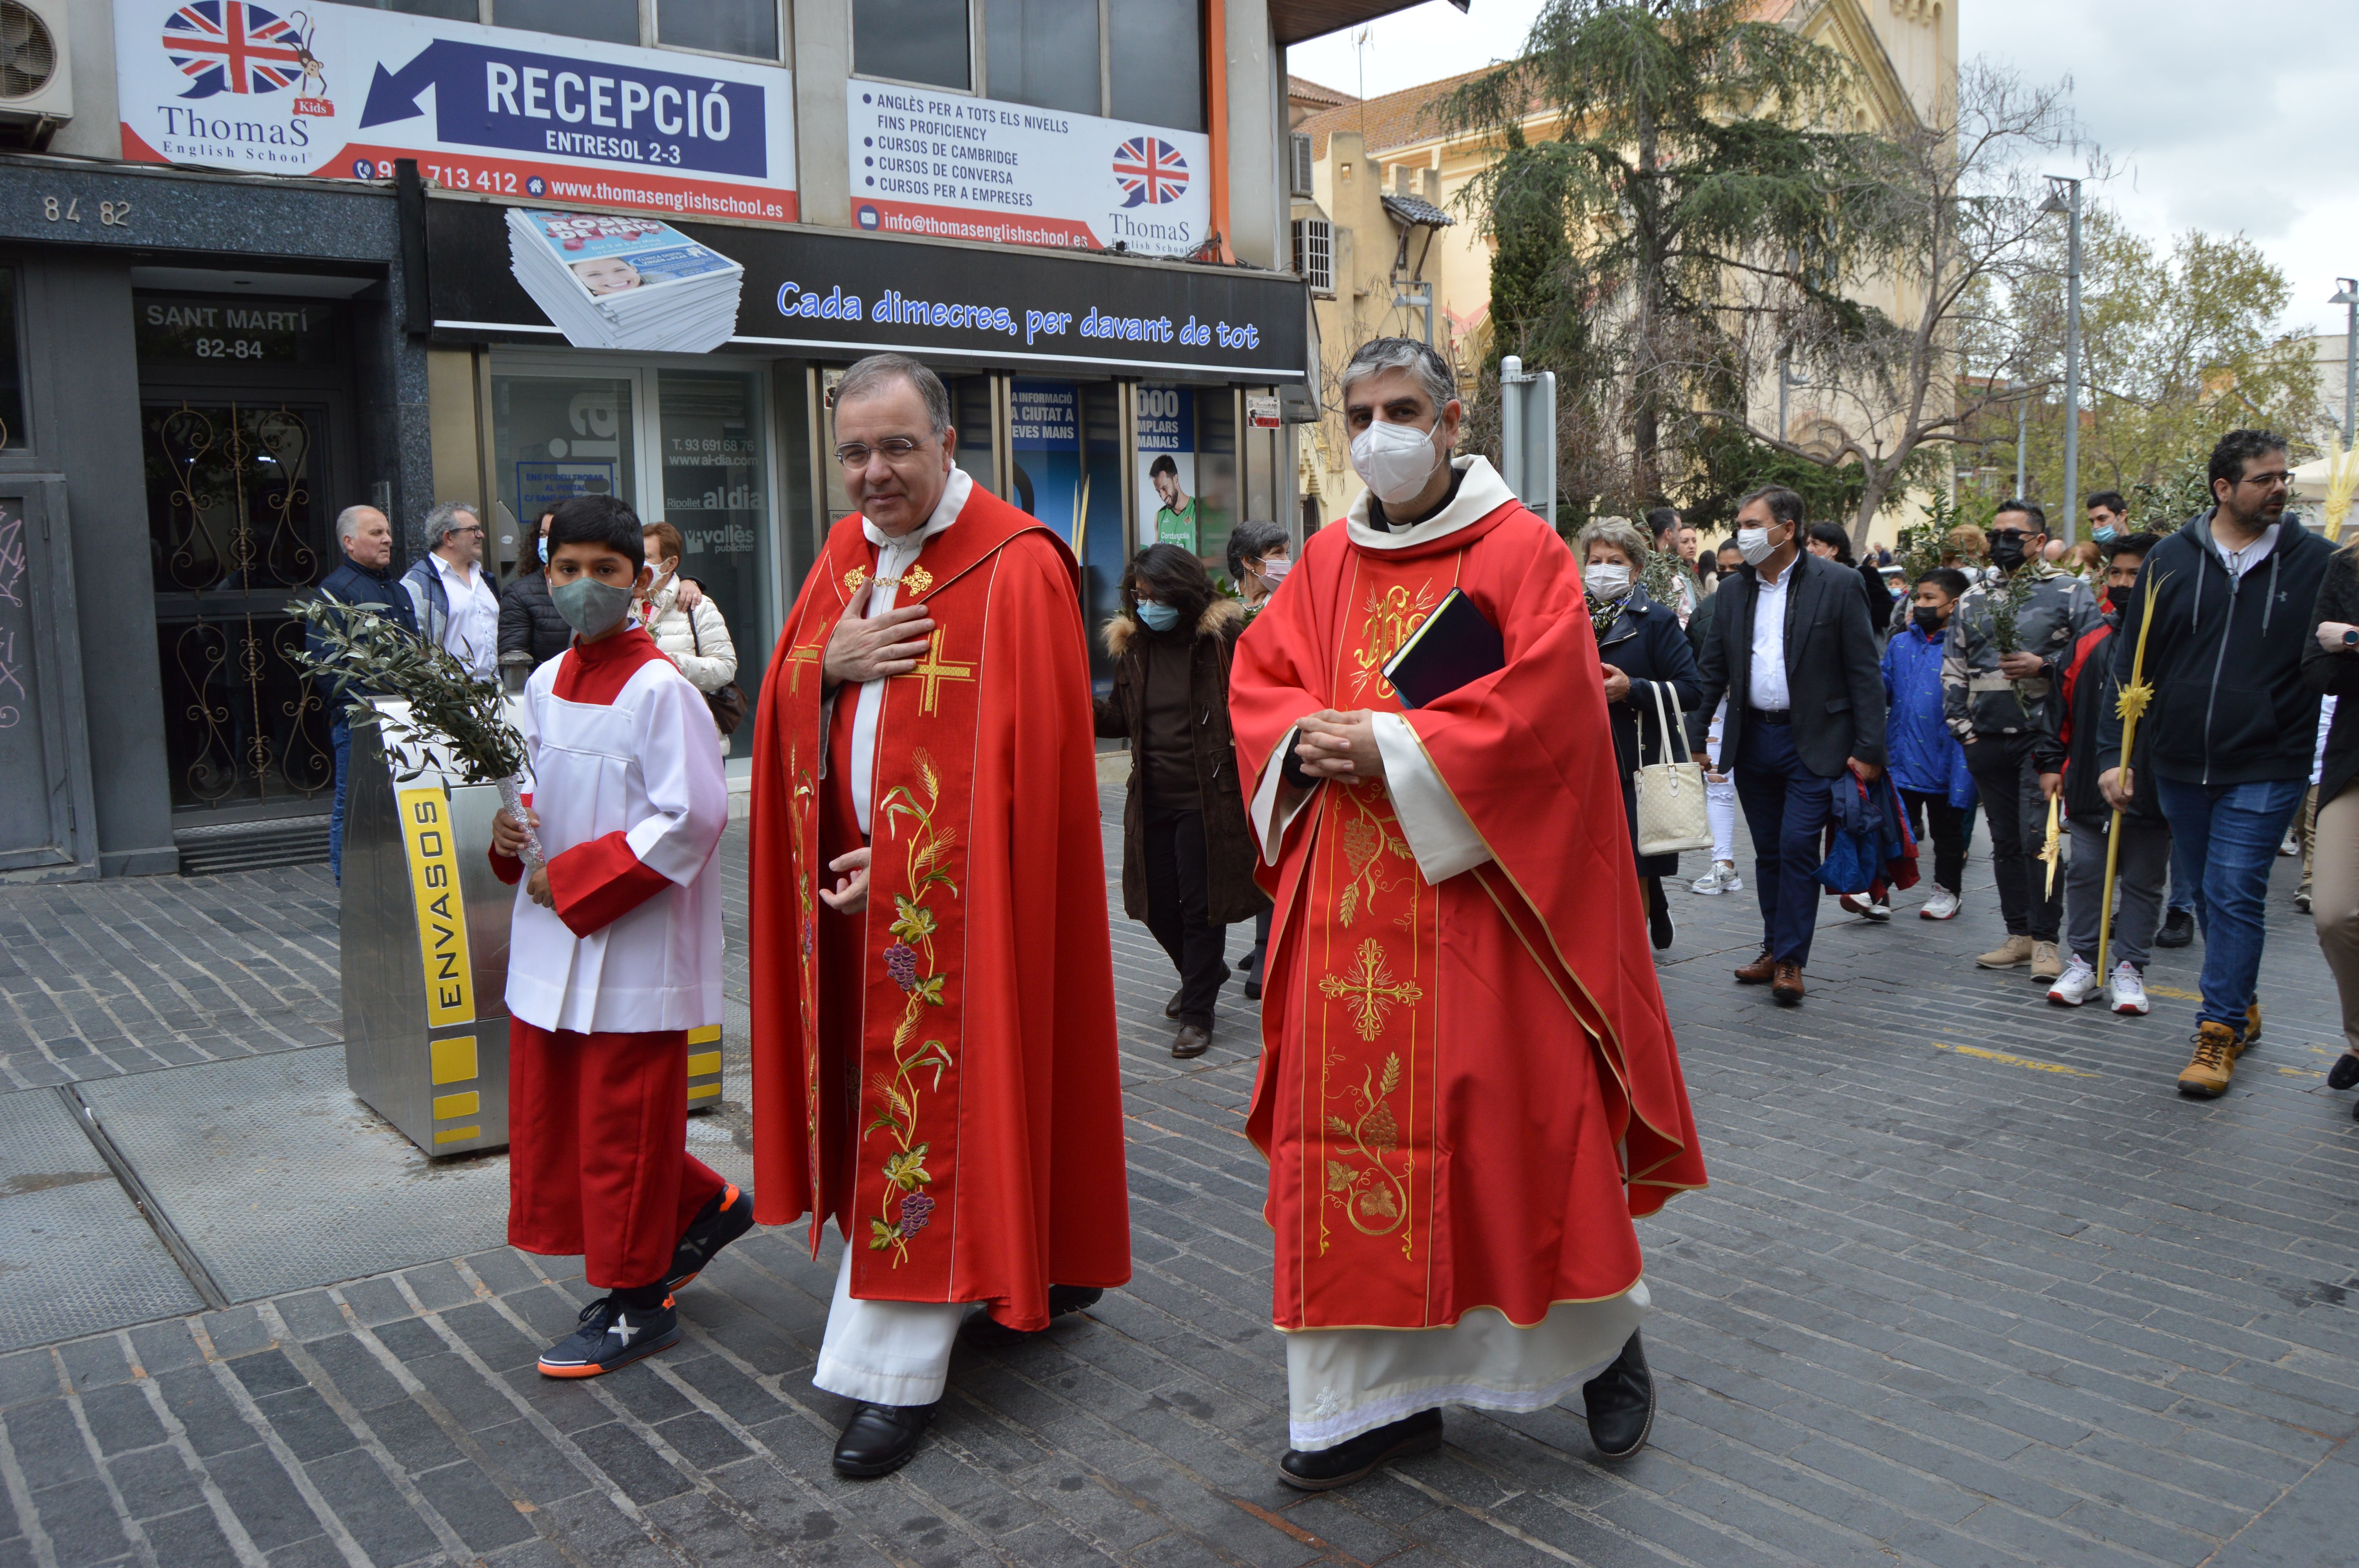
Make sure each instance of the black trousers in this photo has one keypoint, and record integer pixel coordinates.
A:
(1178, 896)
(1949, 824)
(2017, 812)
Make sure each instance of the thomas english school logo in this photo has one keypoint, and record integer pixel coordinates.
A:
(231, 46)
(1150, 171)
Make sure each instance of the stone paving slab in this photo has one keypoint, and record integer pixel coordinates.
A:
(1972, 1285)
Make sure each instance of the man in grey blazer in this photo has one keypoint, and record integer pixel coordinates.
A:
(1791, 648)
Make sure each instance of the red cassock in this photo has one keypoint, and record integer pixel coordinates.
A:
(939, 1073)
(1468, 1089)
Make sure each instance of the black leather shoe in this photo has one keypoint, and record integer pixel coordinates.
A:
(2344, 1073)
(984, 1330)
(2178, 929)
(1324, 1469)
(879, 1439)
(1193, 1040)
(1252, 988)
(1171, 1008)
(1620, 1402)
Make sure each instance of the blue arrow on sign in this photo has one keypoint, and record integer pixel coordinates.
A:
(393, 95)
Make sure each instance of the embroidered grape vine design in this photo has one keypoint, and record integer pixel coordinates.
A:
(907, 1208)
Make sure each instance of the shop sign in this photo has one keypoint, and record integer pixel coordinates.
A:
(972, 168)
(843, 295)
(340, 91)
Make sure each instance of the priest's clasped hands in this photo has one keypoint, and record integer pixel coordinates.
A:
(1335, 745)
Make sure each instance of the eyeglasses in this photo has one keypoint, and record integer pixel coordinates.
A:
(2268, 481)
(897, 449)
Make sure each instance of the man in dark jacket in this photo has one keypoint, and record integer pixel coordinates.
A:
(365, 579)
(2142, 858)
(1791, 649)
(2233, 726)
(2000, 703)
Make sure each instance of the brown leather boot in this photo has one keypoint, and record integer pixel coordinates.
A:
(1758, 972)
(1788, 986)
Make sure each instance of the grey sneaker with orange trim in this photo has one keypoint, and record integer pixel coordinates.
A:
(724, 1217)
(613, 1334)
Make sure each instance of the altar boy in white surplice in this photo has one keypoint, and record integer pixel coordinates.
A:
(614, 954)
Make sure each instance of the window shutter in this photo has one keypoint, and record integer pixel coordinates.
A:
(1298, 164)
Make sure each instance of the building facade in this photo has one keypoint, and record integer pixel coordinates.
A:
(253, 272)
(1382, 235)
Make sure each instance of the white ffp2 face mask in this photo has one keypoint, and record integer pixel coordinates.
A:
(1754, 545)
(1394, 460)
(1605, 579)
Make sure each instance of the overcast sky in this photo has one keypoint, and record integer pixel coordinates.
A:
(2238, 118)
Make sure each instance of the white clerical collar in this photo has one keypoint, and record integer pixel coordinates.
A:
(1481, 492)
(946, 512)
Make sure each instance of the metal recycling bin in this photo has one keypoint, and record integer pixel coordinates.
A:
(425, 956)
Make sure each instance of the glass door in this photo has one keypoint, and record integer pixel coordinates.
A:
(557, 436)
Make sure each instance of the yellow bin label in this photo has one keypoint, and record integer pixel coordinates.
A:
(442, 915)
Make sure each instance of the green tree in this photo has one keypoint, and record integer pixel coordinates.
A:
(1684, 144)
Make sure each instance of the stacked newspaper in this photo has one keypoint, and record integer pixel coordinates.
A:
(612, 281)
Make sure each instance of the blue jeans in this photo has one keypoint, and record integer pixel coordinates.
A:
(1785, 808)
(2230, 834)
(340, 736)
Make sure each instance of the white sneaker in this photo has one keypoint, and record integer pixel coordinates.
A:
(1721, 879)
(2127, 994)
(1942, 906)
(1879, 910)
(2076, 985)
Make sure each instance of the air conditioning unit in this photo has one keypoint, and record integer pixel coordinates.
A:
(36, 66)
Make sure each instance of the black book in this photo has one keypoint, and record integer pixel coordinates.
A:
(1456, 644)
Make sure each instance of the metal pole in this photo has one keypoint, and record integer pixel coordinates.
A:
(1784, 364)
(2022, 418)
(2072, 371)
(2350, 357)
(1512, 391)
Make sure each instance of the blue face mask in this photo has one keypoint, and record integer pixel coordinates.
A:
(2102, 535)
(1159, 616)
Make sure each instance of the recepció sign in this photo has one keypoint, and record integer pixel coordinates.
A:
(340, 91)
(972, 168)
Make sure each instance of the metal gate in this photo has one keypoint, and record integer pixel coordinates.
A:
(45, 819)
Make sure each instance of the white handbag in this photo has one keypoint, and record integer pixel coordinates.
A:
(1670, 794)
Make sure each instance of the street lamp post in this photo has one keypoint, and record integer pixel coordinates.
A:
(2064, 196)
(2348, 297)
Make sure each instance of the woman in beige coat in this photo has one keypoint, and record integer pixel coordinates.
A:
(688, 628)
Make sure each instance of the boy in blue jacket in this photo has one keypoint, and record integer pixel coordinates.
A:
(1928, 766)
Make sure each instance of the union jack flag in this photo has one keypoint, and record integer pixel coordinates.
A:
(229, 46)
(1149, 171)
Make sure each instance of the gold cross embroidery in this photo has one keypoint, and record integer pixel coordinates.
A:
(807, 654)
(1371, 990)
(854, 578)
(934, 669)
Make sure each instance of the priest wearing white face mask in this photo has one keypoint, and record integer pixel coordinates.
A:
(1791, 649)
(1468, 1086)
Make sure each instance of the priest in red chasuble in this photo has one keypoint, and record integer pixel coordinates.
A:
(1468, 1086)
(933, 1047)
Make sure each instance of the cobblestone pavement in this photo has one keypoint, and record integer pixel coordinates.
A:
(1972, 1286)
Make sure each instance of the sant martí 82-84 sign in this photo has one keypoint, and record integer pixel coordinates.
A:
(341, 92)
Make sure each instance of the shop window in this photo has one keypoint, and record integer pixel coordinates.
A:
(11, 375)
(448, 10)
(913, 40)
(555, 436)
(1157, 55)
(608, 21)
(724, 27)
(1314, 254)
(715, 490)
(977, 424)
(1043, 52)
